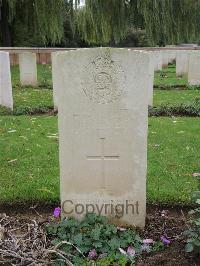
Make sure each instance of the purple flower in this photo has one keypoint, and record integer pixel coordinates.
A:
(92, 254)
(57, 212)
(165, 240)
(131, 251)
(148, 241)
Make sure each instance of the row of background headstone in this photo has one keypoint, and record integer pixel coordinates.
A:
(187, 62)
(103, 122)
(103, 143)
(43, 55)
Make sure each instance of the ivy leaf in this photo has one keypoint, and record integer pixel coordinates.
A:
(97, 244)
(114, 243)
(95, 233)
(196, 242)
(55, 241)
(78, 239)
(52, 229)
(66, 248)
(189, 247)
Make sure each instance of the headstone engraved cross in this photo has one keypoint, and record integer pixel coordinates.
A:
(102, 158)
(102, 117)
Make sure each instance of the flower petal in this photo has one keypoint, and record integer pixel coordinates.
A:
(57, 212)
(131, 251)
(165, 240)
(148, 241)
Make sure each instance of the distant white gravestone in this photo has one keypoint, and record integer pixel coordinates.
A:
(102, 111)
(55, 77)
(157, 60)
(28, 69)
(194, 68)
(171, 56)
(151, 78)
(165, 58)
(6, 98)
(182, 61)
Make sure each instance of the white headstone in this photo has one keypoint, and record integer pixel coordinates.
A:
(151, 78)
(103, 132)
(182, 61)
(28, 69)
(171, 56)
(194, 68)
(157, 60)
(54, 79)
(165, 58)
(6, 98)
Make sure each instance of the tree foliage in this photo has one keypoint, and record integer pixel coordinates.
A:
(42, 19)
(173, 20)
(50, 22)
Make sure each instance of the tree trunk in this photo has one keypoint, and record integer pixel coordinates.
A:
(5, 28)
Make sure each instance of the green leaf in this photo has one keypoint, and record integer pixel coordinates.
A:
(114, 243)
(97, 244)
(95, 233)
(198, 201)
(196, 242)
(78, 239)
(55, 241)
(189, 247)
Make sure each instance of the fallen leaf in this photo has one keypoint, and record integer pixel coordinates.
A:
(11, 161)
(122, 251)
(23, 137)
(196, 174)
(52, 137)
(156, 145)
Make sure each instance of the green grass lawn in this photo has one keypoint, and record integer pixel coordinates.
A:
(28, 100)
(174, 97)
(32, 98)
(29, 159)
(29, 145)
(43, 74)
(167, 77)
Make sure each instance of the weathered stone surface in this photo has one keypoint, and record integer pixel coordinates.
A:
(151, 78)
(55, 78)
(28, 69)
(157, 60)
(194, 68)
(102, 110)
(6, 98)
(182, 62)
(171, 56)
(165, 58)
